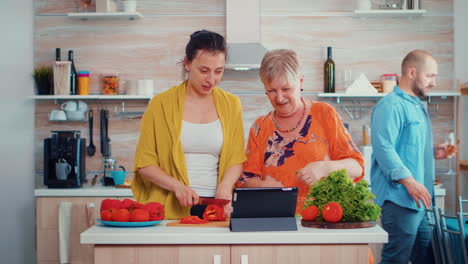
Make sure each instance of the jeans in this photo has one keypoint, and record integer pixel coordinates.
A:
(409, 235)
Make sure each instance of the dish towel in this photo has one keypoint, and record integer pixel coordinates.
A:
(64, 225)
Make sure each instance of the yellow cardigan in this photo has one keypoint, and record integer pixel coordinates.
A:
(160, 144)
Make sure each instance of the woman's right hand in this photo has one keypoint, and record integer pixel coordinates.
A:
(186, 196)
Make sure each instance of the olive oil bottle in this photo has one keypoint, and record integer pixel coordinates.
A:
(329, 73)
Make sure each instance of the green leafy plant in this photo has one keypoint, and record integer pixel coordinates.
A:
(43, 78)
(42, 73)
(355, 198)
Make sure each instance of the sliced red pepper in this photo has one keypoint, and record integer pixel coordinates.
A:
(192, 219)
(214, 212)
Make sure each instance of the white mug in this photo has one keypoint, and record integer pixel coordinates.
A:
(131, 87)
(57, 115)
(145, 87)
(62, 169)
(70, 106)
(129, 5)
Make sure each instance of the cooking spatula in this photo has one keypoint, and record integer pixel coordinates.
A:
(91, 149)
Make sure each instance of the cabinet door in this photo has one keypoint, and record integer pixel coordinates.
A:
(47, 236)
(298, 254)
(164, 254)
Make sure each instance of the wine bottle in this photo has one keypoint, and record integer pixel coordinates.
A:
(329, 73)
(73, 74)
(57, 54)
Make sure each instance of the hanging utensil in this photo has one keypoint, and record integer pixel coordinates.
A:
(91, 149)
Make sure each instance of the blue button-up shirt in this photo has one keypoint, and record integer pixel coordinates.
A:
(402, 147)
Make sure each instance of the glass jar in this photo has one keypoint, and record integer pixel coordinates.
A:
(83, 82)
(110, 83)
(388, 81)
(85, 5)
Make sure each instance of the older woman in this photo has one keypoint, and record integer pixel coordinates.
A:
(191, 141)
(300, 141)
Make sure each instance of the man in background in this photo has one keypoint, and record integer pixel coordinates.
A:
(402, 172)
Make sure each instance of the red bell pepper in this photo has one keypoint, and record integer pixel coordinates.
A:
(130, 204)
(107, 204)
(155, 209)
(192, 219)
(214, 212)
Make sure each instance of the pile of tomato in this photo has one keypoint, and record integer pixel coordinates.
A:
(332, 212)
(130, 211)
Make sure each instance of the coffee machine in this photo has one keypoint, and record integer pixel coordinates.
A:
(64, 160)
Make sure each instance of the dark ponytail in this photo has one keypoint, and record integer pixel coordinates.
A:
(204, 40)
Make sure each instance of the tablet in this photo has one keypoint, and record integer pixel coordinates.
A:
(264, 202)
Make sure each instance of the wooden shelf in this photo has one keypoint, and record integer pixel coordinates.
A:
(376, 13)
(106, 15)
(339, 96)
(91, 97)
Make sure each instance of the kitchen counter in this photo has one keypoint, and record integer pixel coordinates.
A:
(162, 234)
(171, 245)
(96, 191)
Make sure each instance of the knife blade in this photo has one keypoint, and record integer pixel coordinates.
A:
(208, 201)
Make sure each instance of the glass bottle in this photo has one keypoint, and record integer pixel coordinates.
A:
(329, 73)
(73, 74)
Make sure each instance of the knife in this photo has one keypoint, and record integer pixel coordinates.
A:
(207, 201)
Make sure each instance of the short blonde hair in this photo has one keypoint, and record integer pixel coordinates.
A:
(280, 63)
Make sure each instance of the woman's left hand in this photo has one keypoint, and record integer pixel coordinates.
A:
(313, 172)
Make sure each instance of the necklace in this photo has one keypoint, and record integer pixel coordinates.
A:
(298, 123)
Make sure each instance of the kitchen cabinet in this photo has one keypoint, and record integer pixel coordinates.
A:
(168, 244)
(190, 254)
(299, 254)
(47, 228)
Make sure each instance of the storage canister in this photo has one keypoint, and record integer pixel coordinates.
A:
(110, 83)
(83, 82)
(388, 82)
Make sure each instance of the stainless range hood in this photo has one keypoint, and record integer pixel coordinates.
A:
(245, 52)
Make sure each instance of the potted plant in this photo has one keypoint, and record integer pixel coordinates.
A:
(43, 78)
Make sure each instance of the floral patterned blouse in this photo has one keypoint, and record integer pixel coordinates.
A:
(323, 137)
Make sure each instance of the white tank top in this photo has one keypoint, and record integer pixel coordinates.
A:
(202, 145)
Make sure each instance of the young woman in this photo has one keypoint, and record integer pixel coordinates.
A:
(191, 140)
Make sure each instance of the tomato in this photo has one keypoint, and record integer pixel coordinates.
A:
(192, 219)
(214, 212)
(130, 204)
(156, 211)
(332, 212)
(106, 215)
(120, 215)
(310, 213)
(139, 215)
(107, 204)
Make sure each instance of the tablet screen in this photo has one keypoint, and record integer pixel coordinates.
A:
(264, 202)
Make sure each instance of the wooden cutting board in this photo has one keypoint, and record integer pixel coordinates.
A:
(210, 224)
(340, 225)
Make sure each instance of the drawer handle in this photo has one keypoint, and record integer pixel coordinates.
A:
(216, 259)
(244, 259)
